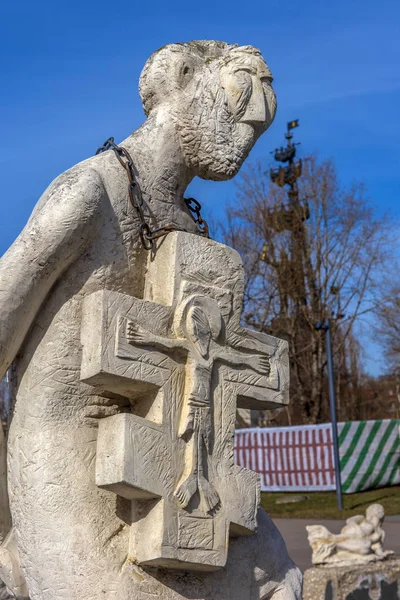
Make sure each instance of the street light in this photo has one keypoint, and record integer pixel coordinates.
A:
(325, 326)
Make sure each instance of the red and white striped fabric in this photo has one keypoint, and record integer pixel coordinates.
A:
(288, 458)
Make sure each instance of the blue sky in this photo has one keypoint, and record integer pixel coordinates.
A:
(69, 74)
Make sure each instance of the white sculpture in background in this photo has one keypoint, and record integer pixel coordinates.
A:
(359, 542)
(128, 365)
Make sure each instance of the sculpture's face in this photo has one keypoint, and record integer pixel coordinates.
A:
(218, 95)
(375, 514)
(224, 110)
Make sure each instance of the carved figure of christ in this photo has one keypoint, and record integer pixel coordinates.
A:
(202, 326)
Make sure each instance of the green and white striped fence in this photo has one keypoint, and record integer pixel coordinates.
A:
(369, 454)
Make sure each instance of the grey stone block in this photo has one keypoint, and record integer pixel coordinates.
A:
(375, 581)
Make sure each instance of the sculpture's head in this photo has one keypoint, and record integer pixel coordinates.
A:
(219, 96)
(375, 514)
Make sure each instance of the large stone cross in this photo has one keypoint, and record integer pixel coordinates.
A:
(183, 360)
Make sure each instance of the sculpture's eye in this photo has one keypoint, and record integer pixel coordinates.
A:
(240, 90)
(243, 79)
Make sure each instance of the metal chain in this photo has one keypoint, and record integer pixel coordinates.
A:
(148, 235)
(195, 207)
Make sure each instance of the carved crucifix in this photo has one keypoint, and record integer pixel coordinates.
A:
(201, 325)
(185, 363)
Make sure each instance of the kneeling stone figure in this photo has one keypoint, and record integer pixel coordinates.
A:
(128, 365)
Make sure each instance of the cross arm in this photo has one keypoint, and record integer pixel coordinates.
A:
(133, 458)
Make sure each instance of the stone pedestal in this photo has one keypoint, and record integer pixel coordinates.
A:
(374, 581)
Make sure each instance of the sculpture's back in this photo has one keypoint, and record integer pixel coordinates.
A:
(207, 103)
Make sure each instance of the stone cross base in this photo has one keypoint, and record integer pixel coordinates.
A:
(374, 581)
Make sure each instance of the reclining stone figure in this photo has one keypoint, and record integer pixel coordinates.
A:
(359, 542)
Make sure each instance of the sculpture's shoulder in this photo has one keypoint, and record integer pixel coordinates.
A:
(82, 185)
(353, 526)
(355, 520)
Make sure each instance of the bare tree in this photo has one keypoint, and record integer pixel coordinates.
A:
(306, 261)
(388, 327)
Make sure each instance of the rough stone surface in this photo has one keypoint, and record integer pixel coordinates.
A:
(4, 594)
(374, 581)
(83, 518)
(359, 542)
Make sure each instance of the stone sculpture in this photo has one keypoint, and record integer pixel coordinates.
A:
(360, 541)
(128, 365)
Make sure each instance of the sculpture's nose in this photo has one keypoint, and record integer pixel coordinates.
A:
(256, 111)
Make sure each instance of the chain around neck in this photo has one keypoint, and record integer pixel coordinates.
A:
(146, 233)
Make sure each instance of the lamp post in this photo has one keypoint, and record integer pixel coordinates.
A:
(325, 326)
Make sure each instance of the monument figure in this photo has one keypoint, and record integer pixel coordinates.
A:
(359, 542)
(353, 563)
(120, 321)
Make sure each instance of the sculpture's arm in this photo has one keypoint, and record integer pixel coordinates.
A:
(355, 520)
(142, 337)
(63, 223)
(258, 362)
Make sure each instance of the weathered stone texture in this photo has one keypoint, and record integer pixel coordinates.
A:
(128, 365)
(375, 581)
